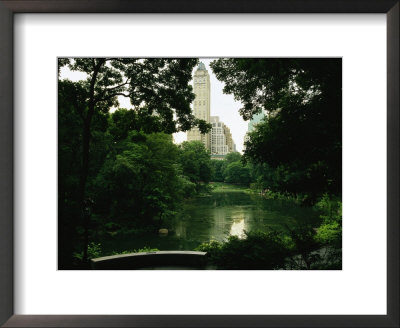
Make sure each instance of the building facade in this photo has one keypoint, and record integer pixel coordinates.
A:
(257, 118)
(229, 140)
(218, 137)
(201, 105)
(219, 141)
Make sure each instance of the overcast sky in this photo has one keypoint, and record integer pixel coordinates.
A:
(222, 105)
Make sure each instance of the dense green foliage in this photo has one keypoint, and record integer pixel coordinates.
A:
(195, 162)
(237, 173)
(217, 170)
(140, 181)
(300, 247)
(232, 157)
(259, 250)
(102, 157)
(329, 234)
(298, 144)
(295, 151)
(231, 170)
(119, 169)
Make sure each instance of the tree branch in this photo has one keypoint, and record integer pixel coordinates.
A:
(113, 95)
(99, 98)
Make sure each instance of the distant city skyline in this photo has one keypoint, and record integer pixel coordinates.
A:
(201, 105)
(222, 105)
(225, 107)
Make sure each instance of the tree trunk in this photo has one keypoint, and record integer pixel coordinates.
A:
(85, 217)
(82, 186)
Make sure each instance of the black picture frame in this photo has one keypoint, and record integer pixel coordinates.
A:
(10, 7)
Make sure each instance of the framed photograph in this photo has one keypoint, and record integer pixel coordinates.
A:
(175, 164)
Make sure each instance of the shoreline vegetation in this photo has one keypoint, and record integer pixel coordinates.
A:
(301, 248)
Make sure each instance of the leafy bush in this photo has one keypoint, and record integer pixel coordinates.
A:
(329, 234)
(305, 247)
(213, 248)
(330, 231)
(237, 173)
(259, 250)
(94, 251)
(140, 250)
(188, 188)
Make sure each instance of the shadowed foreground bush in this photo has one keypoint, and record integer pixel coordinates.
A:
(259, 250)
(272, 250)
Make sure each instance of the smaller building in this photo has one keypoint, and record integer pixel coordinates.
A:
(221, 139)
(229, 140)
(257, 118)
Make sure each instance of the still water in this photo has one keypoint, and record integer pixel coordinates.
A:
(215, 217)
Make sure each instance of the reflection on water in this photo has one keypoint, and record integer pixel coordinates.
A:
(237, 228)
(216, 217)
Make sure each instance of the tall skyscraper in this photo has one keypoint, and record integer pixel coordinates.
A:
(219, 141)
(201, 105)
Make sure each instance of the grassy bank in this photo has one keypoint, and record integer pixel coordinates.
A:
(224, 187)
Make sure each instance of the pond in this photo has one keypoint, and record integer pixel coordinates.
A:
(227, 211)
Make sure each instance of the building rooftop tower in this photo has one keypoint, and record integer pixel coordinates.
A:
(201, 67)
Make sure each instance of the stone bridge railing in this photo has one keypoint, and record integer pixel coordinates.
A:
(152, 260)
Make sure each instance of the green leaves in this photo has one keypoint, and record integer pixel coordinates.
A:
(195, 161)
(236, 172)
(155, 86)
(330, 231)
(96, 156)
(257, 251)
(301, 136)
(141, 179)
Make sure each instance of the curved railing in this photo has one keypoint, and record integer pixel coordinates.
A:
(152, 260)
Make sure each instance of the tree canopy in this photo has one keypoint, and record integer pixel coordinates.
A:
(195, 161)
(160, 94)
(236, 172)
(158, 88)
(140, 181)
(301, 136)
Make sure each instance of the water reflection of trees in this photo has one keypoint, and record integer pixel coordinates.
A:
(214, 217)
